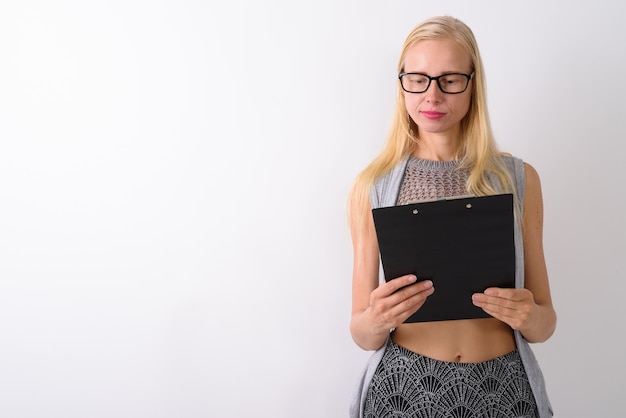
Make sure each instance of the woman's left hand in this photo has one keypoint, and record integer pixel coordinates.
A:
(528, 310)
(514, 307)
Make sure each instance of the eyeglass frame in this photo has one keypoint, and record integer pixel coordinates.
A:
(430, 79)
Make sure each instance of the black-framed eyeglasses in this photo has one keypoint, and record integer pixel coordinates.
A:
(453, 83)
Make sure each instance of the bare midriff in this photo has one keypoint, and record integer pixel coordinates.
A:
(465, 341)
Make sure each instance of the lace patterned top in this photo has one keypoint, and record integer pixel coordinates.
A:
(428, 179)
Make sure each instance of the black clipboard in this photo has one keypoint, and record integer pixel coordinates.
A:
(464, 245)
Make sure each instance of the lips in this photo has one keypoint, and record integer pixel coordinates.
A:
(432, 114)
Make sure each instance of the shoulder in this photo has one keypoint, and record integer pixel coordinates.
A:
(396, 169)
(513, 164)
(533, 183)
(386, 186)
(517, 166)
(530, 173)
(506, 172)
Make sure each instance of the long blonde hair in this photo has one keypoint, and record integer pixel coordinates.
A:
(478, 151)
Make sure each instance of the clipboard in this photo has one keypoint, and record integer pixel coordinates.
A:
(464, 245)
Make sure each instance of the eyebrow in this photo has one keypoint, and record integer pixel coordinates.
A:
(442, 73)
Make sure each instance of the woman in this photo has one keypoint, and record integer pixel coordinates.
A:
(441, 145)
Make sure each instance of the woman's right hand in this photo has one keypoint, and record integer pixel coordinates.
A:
(378, 307)
(394, 301)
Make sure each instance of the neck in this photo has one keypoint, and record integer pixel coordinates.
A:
(437, 147)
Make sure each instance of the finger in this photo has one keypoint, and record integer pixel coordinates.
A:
(493, 303)
(410, 299)
(394, 285)
(498, 311)
(507, 293)
(515, 319)
(403, 281)
(513, 313)
(410, 291)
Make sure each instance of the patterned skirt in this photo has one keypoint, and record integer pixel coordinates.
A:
(407, 384)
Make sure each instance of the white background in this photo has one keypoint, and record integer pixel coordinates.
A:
(173, 180)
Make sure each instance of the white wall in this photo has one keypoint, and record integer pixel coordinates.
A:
(173, 179)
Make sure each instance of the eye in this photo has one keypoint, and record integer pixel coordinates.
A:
(452, 79)
(416, 79)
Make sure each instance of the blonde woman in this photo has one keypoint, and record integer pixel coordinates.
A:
(441, 145)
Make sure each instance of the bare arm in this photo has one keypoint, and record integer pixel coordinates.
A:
(377, 309)
(528, 310)
(543, 321)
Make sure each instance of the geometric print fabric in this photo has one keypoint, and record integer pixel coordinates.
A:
(408, 385)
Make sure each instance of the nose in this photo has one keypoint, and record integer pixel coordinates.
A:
(433, 93)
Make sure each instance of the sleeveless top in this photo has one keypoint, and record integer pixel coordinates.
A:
(427, 180)
(399, 186)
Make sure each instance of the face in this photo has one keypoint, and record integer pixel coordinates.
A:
(434, 111)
